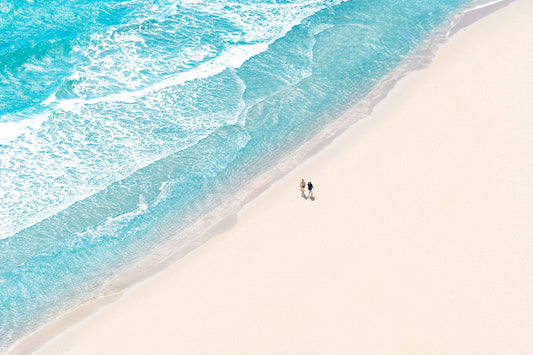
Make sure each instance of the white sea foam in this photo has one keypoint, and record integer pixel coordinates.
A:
(113, 62)
(11, 129)
(233, 58)
(34, 68)
(5, 7)
(83, 151)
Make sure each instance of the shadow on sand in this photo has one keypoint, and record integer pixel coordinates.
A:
(305, 197)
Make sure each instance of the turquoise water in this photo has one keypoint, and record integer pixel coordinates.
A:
(122, 123)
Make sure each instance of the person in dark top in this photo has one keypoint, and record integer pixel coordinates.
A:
(310, 188)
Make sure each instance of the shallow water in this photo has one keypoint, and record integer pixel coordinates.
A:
(124, 122)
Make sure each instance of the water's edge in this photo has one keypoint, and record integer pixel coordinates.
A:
(224, 217)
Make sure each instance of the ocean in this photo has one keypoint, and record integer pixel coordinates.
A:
(129, 128)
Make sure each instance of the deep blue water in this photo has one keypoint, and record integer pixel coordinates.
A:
(124, 122)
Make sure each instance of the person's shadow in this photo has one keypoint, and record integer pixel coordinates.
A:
(304, 196)
(312, 198)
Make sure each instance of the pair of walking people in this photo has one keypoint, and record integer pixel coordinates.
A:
(309, 188)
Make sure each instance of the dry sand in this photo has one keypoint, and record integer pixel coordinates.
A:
(420, 240)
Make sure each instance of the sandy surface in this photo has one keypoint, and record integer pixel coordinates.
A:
(420, 240)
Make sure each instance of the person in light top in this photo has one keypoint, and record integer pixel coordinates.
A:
(302, 187)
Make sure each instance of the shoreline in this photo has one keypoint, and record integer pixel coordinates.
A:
(71, 320)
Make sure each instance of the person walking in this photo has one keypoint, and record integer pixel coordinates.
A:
(302, 187)
(310, 188)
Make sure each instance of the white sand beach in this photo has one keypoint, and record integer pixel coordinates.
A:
(419, 241)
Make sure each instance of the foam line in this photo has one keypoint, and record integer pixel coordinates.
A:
(233, 58)
(9, 131)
